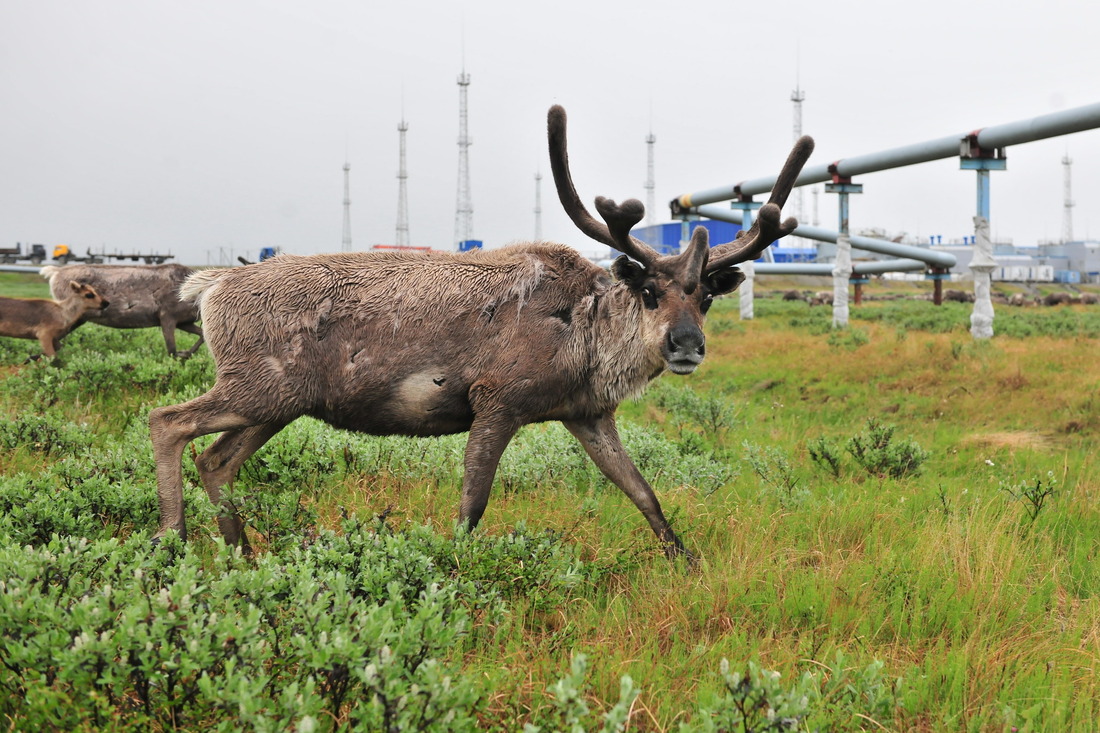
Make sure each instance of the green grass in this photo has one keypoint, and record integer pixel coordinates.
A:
(20, 285)
(936, 598)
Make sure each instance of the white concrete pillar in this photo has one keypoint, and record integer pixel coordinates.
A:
(842, 272)
(746, 289)
(981, 318)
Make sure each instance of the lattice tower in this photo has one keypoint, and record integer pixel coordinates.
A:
(650, 182)
(345, 241)
(795, 200)
(402, 188)
(538, 207)
(464, 208)
(1067, 200)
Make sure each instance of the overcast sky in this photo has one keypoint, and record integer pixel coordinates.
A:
(199, 126)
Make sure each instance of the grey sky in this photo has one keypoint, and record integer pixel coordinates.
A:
(198, 125)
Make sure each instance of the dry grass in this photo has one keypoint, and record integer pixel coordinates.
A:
(1012, 440)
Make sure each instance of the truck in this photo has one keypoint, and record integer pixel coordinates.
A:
(63, 255)
(36, 253)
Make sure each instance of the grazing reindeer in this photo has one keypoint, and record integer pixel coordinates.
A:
(441, 343)
(49, 321)
(142, 296)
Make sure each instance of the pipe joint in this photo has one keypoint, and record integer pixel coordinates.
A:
(970, 148)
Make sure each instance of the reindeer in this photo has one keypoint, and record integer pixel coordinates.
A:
(142, 296)
(49, 321)
(441, 343)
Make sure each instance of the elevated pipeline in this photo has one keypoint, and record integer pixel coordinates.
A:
(1064, 122)
(931, 258)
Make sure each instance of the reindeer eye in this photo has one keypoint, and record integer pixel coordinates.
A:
(708, 300)
(649, 298)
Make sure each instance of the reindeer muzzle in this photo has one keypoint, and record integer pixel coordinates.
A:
(685, 347)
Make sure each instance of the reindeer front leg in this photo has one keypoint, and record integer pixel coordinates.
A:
(489, 436)
(168, 330)
(600, 439)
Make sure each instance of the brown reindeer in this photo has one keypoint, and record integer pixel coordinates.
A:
(441, 343)
(49, 321)
(142, 296)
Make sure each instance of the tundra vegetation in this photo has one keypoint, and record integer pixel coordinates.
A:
(839, 593)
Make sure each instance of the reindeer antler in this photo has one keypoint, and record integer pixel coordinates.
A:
(619, 217)
(766, 228)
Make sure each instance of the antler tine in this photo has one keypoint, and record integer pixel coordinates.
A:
(800, 153)
(767, 228)
(748, 245)
(619, 218)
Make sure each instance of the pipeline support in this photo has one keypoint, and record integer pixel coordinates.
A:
(982, 161)
(842, 267)
(747, 290)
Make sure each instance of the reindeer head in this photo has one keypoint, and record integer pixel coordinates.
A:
(675, 290)
(90, 299)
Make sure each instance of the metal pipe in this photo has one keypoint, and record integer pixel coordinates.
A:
(1065, 122)
(823, 268)
(820, 234)
(1054, 124)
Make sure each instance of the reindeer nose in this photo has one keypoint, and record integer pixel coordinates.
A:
(686, 340)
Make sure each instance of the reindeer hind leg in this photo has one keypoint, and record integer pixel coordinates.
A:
(171, 428)
(218, 465)
(191, 328)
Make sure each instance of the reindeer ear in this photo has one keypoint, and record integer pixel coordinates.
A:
(724, 281)
(628, 271)
(75, 286)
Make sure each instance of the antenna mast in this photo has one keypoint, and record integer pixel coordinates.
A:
(1067, 203)
(464, 210)
(650, 183)
(345, 242)
(402, 189)
(797, 96)
(538, 207)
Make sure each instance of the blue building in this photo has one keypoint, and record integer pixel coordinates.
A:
(665, 238)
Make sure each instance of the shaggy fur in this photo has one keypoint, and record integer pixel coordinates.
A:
(49, 321)
(141, 296)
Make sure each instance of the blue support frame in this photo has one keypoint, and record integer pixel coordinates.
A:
(746, 207)
(843, 188)
(982, 166)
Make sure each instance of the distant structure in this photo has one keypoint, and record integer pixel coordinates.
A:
(538, 207)
(795, 201)
(464, 209)
(402, 189)
(345, 242)
(650, 182)
(1067, 200)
